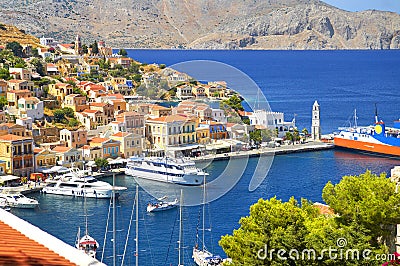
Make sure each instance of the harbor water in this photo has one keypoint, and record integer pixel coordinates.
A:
(341, 81)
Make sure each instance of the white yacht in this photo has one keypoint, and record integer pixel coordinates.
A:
(180, 171)
(17, 200)
(161, 205)
(77, 184)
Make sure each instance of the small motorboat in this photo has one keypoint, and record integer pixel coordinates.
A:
(161, 205)
(87, 244)
(17, 200)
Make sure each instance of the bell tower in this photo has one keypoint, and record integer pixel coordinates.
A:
(316, 122)
(78, 45)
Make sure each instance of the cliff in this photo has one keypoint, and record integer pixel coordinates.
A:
(211, 24)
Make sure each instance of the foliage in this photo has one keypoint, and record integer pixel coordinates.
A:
(122, 52)
(162, 66)
(101, 163)
(368, 200)
(4, 74)
(3, 102)
(37, 63)
(60, 115)
(73, 122)
(35, 52)
(261, 135)
(305, 131)
(234, 102)
(95, 48)
(84, 49)
(364, 205)
(16, 48)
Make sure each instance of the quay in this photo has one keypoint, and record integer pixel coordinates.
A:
(266, 151)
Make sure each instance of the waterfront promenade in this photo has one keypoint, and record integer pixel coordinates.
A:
(266, 151)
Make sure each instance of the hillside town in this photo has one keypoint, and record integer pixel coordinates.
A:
(77, 105)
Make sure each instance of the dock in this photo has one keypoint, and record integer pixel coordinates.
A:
(265, 151)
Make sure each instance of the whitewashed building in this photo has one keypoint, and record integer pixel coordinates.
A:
(272, 121)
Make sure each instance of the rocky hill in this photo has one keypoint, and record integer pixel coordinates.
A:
(211, 24)
(10, 33)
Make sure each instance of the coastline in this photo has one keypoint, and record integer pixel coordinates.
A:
(265, 151)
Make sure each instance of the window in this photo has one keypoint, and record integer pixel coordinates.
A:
(116, 149)
(105, 150)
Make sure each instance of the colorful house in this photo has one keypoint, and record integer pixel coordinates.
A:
(17, 152)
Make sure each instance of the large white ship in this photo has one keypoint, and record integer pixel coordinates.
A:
(180, 171)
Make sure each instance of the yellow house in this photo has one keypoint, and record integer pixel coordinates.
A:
(44, 158)
(171, 130)
(17, 152)
(131, 144)
(60, 90)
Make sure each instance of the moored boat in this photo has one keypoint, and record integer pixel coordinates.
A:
(74, 184)
(182, 171)
(17, 200)
(161, 205)
(376, 138)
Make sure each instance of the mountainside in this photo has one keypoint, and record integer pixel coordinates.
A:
(10, 33)
(211, 24)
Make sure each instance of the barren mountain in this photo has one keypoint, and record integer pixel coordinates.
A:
(210, 24)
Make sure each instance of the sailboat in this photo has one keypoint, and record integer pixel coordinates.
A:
(203, 257)
(114, 230)
(87, 243)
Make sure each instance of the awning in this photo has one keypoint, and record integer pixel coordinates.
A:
(91, 163)
(55, 169)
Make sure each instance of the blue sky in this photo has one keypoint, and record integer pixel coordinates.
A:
(359, 5)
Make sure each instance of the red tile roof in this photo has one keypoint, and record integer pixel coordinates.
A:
(22, 243)
(17, 249)
(61, 149)
(98, 140)
(11, 137)
(121, 134)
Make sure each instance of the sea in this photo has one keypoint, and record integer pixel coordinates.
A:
(290, 82)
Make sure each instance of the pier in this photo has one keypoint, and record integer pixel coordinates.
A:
(265, 151)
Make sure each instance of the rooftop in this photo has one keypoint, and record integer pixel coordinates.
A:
(11, 137)
(22, 243)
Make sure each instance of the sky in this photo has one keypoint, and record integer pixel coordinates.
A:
(359, 5)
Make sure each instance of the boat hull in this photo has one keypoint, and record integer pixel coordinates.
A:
(186, 180)
(99, 194)
(367, 146)
(205, 258)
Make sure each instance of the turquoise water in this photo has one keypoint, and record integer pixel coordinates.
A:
(291, 80)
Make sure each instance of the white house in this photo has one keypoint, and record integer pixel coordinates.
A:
(272, 121)
(30, 107)
(26, 122)
(218, 115)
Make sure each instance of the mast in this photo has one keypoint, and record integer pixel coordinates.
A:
(204, 202)
(355, 118)
(180, 231)
(376, 114)
(114, 233)
(137, 225)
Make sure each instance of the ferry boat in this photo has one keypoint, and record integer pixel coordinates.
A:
(76, 184)
(180, 171)
(376, 138)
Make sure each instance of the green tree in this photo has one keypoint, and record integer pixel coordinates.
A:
(256, 137)
(3, 102)
(16, 48)
(59, 116)
(122, 52)
(234, 102)
(95, 48)
(368, 200)
(38, 64)
(84, 49)
(4, 74)
(101, 163)
(73, 122)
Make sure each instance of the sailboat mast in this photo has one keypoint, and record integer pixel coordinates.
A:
(180, 231)
(137, 225)
(114, 233)
(204, 202)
